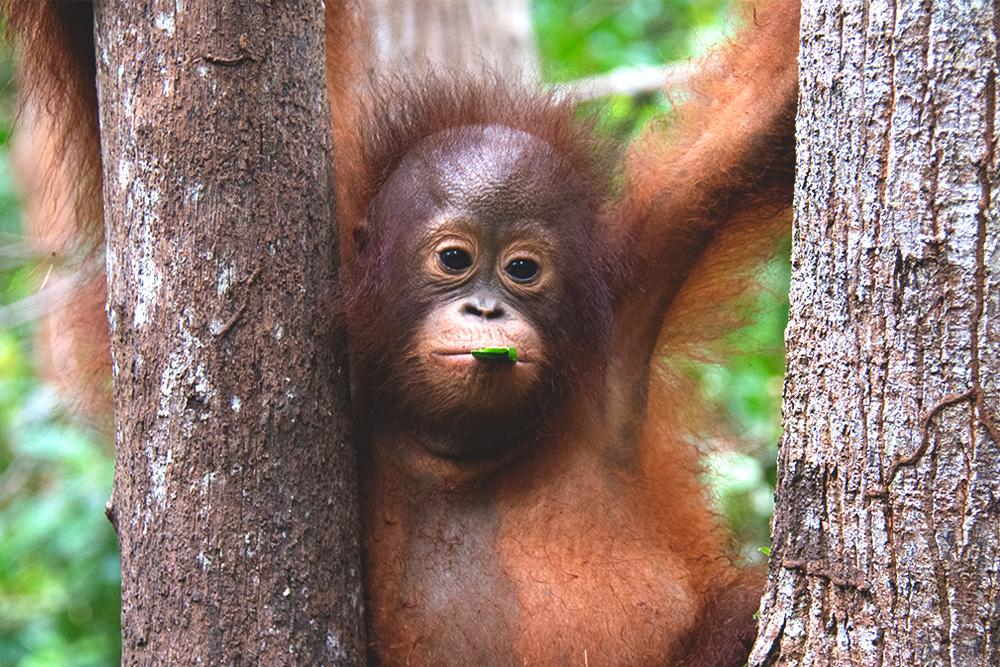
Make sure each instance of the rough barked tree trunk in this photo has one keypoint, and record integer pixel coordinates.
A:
(450, 35)
(887, 526)
(234, 494)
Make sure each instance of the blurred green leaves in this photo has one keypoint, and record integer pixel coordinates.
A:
(747, 391)
(581, 38)
(578, 38)
(59, 567)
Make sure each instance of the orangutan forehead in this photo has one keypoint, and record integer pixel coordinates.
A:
(494, 167)
(511, 138)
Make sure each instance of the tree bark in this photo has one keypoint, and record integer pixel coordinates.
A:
(454, 35)
(235, 493)
(886, 536)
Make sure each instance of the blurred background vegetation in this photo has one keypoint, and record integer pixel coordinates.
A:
(59, 580)
(59, 569)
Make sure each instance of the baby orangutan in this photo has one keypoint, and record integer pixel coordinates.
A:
(539, 504)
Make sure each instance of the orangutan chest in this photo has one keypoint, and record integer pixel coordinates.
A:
(509, 588)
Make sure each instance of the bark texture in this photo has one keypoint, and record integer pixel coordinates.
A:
(887, 530)
(235, 494)
(462, 35)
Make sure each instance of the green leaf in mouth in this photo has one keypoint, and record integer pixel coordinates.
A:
(507, 354)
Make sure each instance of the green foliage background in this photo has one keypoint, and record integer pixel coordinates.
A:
(59, 567)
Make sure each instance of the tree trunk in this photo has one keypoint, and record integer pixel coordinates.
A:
(450, 35)
(886, 537)
(235, 498)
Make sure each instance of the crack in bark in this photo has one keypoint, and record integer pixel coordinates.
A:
(911, 459)
(822, 568)
(886, 151)
(937, 559)
(983, 213)
(985, 202)
(235, 317)
(244, 55)
(930, 107)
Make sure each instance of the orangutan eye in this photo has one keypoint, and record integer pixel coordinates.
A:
(455, 259)
(522, 270)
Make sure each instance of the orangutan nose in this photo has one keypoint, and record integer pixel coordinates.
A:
(485, 307)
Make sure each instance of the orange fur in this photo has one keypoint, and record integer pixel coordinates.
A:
(56, 161)
(593, 542)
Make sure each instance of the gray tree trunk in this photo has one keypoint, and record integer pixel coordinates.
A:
(447, 35)
(886, 536)
(234, 498)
